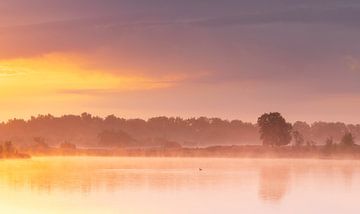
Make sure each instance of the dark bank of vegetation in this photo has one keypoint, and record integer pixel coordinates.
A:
(84, 130)
(7, 150)
(271, 136)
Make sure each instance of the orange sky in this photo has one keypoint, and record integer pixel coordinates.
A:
(62, 83)
(229, 59)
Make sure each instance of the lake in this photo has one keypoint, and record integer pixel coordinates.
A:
(176, 185)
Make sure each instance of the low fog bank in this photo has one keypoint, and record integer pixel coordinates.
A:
(87, 131)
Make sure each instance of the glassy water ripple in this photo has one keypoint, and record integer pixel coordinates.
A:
(176, 185)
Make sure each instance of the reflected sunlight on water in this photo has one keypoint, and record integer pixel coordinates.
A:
(175, 185)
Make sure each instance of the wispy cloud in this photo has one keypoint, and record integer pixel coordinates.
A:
(348, 16)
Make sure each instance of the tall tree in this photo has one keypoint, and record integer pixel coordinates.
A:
(274, 130)
(347, 139)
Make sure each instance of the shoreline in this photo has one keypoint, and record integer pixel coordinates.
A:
(241, 152)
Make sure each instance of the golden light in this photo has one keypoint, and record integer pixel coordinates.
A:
(56, 72)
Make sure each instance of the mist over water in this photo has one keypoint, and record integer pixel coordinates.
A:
(176, 185)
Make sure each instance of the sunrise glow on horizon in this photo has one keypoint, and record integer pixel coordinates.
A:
(136, 59)
(179, 106)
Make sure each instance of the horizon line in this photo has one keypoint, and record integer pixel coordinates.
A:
(93, 115)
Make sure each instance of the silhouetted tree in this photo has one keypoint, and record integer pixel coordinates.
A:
(321, 130)
(347, 139)
(310, 143)
(116, 138)
(85, 128)
(329, 142)
(303, 128)
(67, 146)
(274, 130)
(298, 137)
(8, 149)
(40, 143)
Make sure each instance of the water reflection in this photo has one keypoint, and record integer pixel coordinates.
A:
(95, 174)
(228, 181)
(273, 182)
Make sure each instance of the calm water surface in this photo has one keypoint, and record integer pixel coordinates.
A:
(175, 185)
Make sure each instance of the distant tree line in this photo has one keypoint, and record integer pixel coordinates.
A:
(320, 132)
(275, 131)
(88, 130)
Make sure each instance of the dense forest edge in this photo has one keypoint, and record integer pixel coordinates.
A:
(272, 136)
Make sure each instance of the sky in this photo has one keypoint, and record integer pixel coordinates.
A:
(233, 59)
